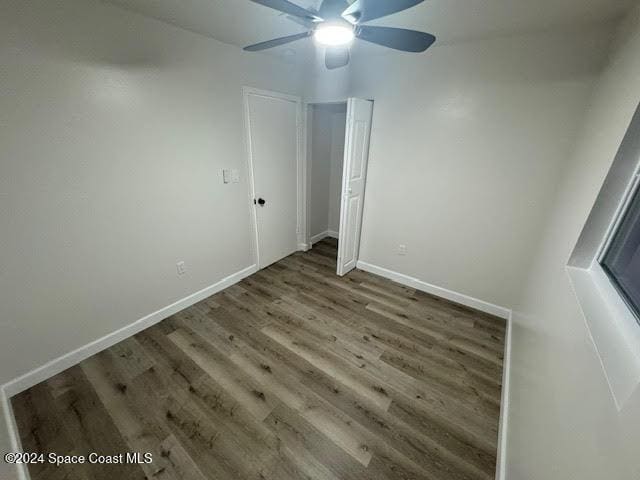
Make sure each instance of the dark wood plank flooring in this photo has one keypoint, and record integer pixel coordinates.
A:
(294, 373)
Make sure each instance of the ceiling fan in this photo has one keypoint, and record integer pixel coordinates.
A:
(337, 23)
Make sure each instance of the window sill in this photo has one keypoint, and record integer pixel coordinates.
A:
(613, 328)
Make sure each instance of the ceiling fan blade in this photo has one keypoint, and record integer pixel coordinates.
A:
(362, 11)
(397, 38)
(289, 8)
(276, 42)
(336, 57)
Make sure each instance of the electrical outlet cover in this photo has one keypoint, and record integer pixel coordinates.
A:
(181, 268)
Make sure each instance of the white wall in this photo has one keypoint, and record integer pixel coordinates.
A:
(114, 131)
(322, 85)
(466, 143)
(320, 170)
(327, 153)
(563, 423)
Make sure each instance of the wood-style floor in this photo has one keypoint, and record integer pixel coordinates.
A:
(292, 374)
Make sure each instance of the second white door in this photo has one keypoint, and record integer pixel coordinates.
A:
(273, 127)
(354, 178)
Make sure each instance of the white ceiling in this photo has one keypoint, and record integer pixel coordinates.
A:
(242, 22)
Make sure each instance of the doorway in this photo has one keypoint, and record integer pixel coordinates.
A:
(325, 164)
(300, 197)
(337, 158)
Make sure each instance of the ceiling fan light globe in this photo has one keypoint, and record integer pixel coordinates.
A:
(334, 35)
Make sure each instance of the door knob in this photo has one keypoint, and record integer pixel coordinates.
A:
(261, 202)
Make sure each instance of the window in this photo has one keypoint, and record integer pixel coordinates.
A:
(621, 260)
(606, 278)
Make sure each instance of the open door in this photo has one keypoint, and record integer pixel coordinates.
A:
(356, 157)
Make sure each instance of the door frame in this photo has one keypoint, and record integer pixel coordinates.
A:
(301, 166)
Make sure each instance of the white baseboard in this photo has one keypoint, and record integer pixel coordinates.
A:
(504, 405)
(456, 297)
(21, 472)
(319, 236)
(74, 357)
(323, 235)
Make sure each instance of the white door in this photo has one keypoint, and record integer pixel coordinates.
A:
(272, 123)
(356, 157)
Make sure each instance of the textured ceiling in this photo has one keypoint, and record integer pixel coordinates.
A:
(242, 22)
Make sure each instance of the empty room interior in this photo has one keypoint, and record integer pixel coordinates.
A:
(319, 239)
